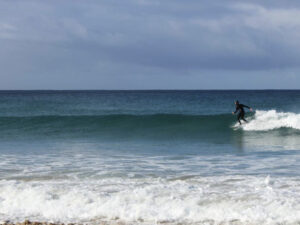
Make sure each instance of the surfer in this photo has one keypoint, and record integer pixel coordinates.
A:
(241, 112)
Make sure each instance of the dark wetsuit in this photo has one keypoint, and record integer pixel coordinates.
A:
(240, 108)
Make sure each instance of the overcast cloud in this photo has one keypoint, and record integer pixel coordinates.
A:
(149, 44)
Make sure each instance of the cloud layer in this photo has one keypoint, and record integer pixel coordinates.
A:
(111, 44)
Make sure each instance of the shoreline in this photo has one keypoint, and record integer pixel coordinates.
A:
(28, 222)
(105, 222)
(204, 222)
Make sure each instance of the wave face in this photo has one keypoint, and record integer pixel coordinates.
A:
(138, 126)
(271, 120)
(147, 126)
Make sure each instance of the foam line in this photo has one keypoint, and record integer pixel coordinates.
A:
(248, 199)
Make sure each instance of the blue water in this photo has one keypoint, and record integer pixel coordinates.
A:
(145, 156)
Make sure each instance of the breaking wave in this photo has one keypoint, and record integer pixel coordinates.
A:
(157, 126)
(271, 120)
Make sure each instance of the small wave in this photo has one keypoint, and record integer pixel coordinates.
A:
(156, 126)
(271, 120)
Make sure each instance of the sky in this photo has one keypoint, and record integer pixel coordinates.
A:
(149, 44)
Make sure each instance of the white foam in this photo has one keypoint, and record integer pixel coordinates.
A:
(271, 119)
(248, 199)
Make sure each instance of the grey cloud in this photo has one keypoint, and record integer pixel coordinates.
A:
(147, 37)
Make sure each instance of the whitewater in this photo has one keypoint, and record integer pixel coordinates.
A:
(271, 120)
(247, 199)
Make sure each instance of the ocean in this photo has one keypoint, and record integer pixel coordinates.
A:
(150, 157)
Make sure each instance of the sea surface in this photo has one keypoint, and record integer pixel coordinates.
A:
(150, 157)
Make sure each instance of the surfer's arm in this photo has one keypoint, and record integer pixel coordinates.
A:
(247, 107)
(236, 109)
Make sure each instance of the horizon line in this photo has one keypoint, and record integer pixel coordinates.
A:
(262, 89)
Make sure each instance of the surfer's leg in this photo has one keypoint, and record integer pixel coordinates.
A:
(243, 117)
(238, 118)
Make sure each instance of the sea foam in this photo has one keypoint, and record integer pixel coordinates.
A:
(271, 119)
(247, 199)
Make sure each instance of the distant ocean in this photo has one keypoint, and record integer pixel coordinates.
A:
(149, 157)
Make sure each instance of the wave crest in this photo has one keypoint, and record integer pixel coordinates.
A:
(271, 120)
